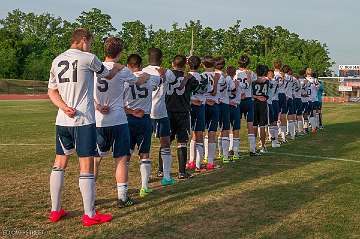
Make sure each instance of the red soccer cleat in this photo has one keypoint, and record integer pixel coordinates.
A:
(210, 166)
(57, 215)
(97, 219)
(190, 165)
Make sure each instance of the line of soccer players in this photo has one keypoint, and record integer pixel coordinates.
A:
(124, 105)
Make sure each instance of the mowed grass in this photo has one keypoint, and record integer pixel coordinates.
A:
(275, 196)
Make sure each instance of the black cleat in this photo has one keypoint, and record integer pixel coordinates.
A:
(183, 176)
(160, 174)
(256, 154)
(129, 202)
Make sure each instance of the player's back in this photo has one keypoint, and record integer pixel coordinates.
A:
(242, 76)
(199, 94)
(72, 73)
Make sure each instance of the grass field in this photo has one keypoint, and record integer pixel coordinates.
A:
(309, 188)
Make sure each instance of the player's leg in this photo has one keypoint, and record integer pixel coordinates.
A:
(192, 155)
(291, 118)
(276, 110)
(199, 129)
(104, 142)
(225, 130)
(321, 126)
(213, 114)
(251, 111)
(263, 122)
(235, 124)
(283, 120)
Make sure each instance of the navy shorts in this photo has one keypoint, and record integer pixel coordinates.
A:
(260, 113)
(161, 127)
(290, 106)
(179, 126)
(212, 117)
(311, 108)
(247, 109)
(197, 117)
(235, 117)
(275, 109)
(81, 139)
(298, 106)
(271, 113)
(116, 137)
(224, 118)
(282, 103)
(316, 105)
(140, 133)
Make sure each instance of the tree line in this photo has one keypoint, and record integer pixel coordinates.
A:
(29, 42)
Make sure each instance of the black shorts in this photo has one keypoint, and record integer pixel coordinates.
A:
(260, 113)
(179, 126)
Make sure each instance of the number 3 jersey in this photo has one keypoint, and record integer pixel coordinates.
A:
(111, 93)
(72, 74)
(140, 96)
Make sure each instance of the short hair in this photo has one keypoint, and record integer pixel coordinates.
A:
(208, 61)
(113, 46)
(302, 73)
(194, 62)
(244, 61)
(179, 61)
(277, 64)
(155, 55)
(262, 70)
(219, 63)
(286, 69)
(231, 71)
(309, 71)
(314, 75)
(79, 33)
(134, 60)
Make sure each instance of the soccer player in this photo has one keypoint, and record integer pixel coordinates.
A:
(138, 100)
(197, 115)
(320, 96)
(226, 85)
(178, 106)
(312, 92)
(159, 116)
(291, 114)
(280, 78)
(273, 107)
(234, 105)
(260, 93)
(299, 103)
(211, 109)
(247, 77)
(111, 122)
(71, 89)
(305, 102)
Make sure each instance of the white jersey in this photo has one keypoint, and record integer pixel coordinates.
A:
(72, 74)
(111, 93)
(313, 89)
(297, 88)
(209, 75)
(304, 91)
(140, 96)
(225, 89)
(288, 86)
(246, 86)
(273, 91)
(158, 109)
(199, 94)
(235, 95)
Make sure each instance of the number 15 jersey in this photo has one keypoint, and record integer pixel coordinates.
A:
(72, 74)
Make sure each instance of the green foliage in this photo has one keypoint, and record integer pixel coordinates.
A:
(29, 42)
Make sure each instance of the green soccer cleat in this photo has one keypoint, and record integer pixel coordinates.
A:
(235, 158)
(220, 157)
(225, 160)
(127, 203)
(205, 161)
(145, 192)
(167, 182)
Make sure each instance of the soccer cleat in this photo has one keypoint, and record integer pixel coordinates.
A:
(205, 161)
(275, 145)
(145, 192)
(283, 142)
(197, 170)
(160, 174)
(225, 160)
(57, 215)
(210, 167)
(127, 203)
(97, 219)
(263, 150)
(220, 157)
(190, 165)
(183, 176)
(236, 157)
(314, 131)
(321, 127)
(167, 182)
(254, 154)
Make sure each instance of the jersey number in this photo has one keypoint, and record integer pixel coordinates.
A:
(260, 90)
(138, 91)
(66, 65)
(103, 85)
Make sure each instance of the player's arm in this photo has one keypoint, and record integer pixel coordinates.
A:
(216, 80)
(101, 71)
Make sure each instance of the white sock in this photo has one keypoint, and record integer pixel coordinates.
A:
(296, 126)
(291, 127)
(300, 126)
(192, 150)
(276, 134)
(219, 145)
(122, 189)
(312, 122)
(225, 142)
(199, 153)
(231, 145)
(206, 147)
(252, 142)
(87, 189)
(283, 132)
(236, 146)
(306, 124)
(56, 186)
(145, 171)
(271, 133)
(212, 150)
(317, 120)
(167, 161)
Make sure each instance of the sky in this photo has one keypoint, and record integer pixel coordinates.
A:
(332, 22)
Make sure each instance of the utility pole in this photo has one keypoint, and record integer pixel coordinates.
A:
(192, 43)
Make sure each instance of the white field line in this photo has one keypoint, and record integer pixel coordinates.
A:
(270, 152)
